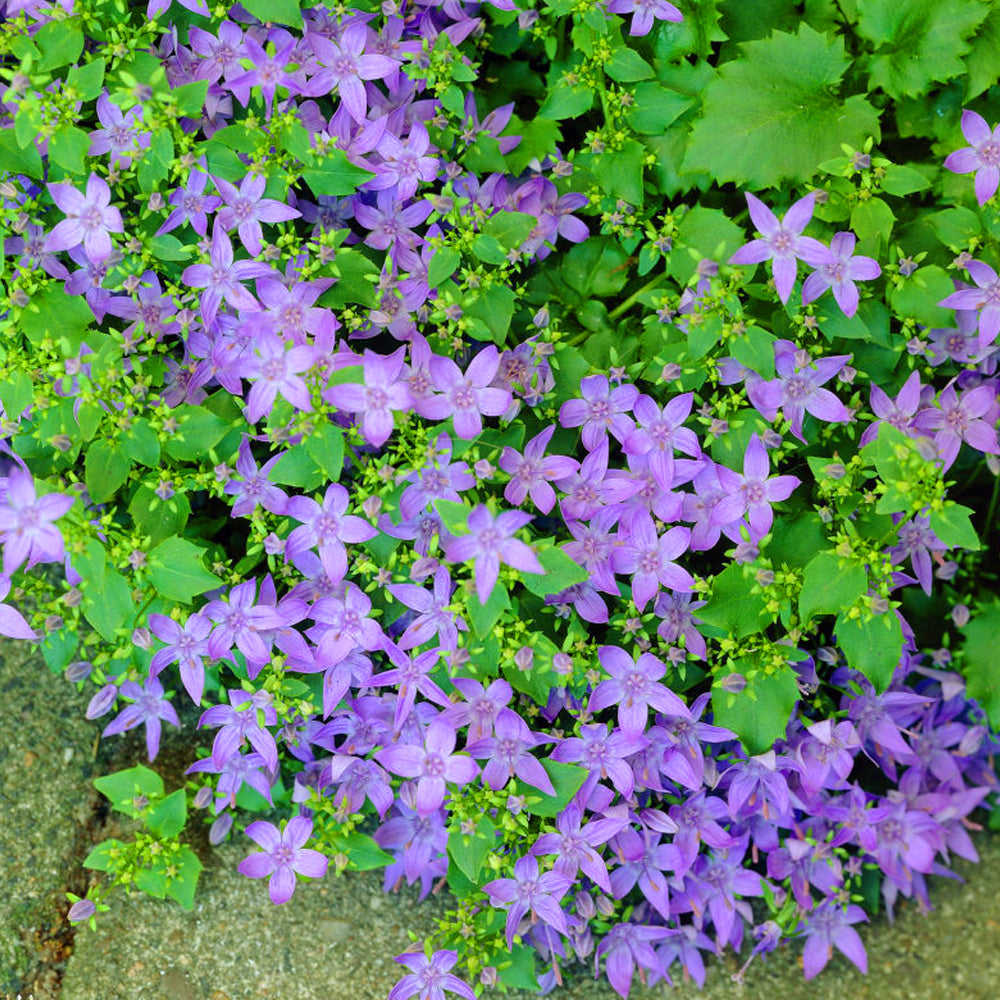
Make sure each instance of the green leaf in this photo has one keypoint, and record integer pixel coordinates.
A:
(733, 607)
(484, 616)
(488, 249)
(183, 885)
(156, 160)
(918, 42)
(953, 526)
(954, 227)
(873, 647)
(759, 714)
(566, 780)
(900, 181)
(711, 233)
(58, 648)
(86, 80)
(454, 516)
(872, 221)
(830, 585)
(105, 469)
(979, 655)
(326, 448)
(656, 108)
(68, 146)
(153, 880)
(177, 572)
(918, 297)
(107, 598)
(167, 247)
(142, 445)
(60, 42)
(627, 66)
(353, 287)
(334, 174)
(517, 968)
(276, 11)
(123, 787)
(168, 816)
(754, 350)
(620, 172)
(469, 850)
(297, 467)
(776, 113)
(560, 572)
(16, 158)
(510, 229)
(156, 517)
(981, 62)
(490, 312)
(16, 393)
(443, 265)
(190, 98)
(566, 102)
(53, 313)
(99, 859)
(198, 431)
(364, 853)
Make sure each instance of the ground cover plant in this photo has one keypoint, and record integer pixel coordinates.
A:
(546, 451)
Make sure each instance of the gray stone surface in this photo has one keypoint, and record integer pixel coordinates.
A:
(336, 938)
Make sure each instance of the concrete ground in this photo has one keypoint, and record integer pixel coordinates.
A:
(336, 938)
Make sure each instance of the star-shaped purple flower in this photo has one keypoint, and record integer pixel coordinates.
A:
(283, 856)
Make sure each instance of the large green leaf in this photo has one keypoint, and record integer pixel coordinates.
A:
(917, 42)
(760, 712)
(732, 606)
(830, 585)
(982, 672)
(177, 572)
(776, 113)
(873, 647)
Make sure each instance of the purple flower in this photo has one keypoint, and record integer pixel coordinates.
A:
(441, 479)
(119, 135)
(601, 409)
(643, 860)
(381, 394)
(633, 688)
(26, 523)
(829, 927)
(432, 765)
(602, 754)
(837, 269)
(89, 219)
(959, 418)
(479, 711)
(429, 978)
(466, 397)
(410, 676)
(898, 412)
(191, 204)
(648, 557)
(433, 618)
(660, 432)
(238, 770)
(985, 298)
(531, 472)
(529, 892)
(149, 706)
(344, 67)
(283, 856)
(247, 208)
(917, 542)
(981, 155)
(327, 527)
(240, 620)
(12, 622)
(715, 882)
(509, 756)
(275, 368)
(574, 844)
(489, 543)
(752, 494)
(404, 164)
(268, 71)
(187, 646)
(347, 625)
(221, 277)
(242, 723)
(254, 490)
(390, 223)
(624, 947)
(781, 241)
(643, 12)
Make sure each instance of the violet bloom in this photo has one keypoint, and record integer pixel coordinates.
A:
(254, 490)
(480, 708)
(327, 527)
(829, 927)
(648, 558)
(715, 882)
(836, 268)
(32, 245)
(120, 134)
(432, 765)
(247, 208)
(375, 401)
(390, 224)
(344, 68)
(982, 155)
(531, 473)
(429, 978)
(602, 754)
(187, 646)
(985, 298)
(27, 532)
(404, 164)
(149, 706)
(410, 677)
(633, 688)
(528, 892)
(601, 409)
(433, 619)
(805, 865)
(752, 494)
(275, 369)
(242, 719)
(643, 860)
(917, 542)
(238, 770)
(489, 543)
(624, 947)
(440, 480)
(466, 397)
(781, 241)
(660, 432)
(798, 389)
(898, 412)
(509, 756)
(677, 621)
(89, 219)
(240, 620)
(269, 71)
(283, 856)
(643, 13)
(828, 748)
(12, 623)
(348, 625)
(960, 418)
(191, 204)
(574, 843)
(221, 277)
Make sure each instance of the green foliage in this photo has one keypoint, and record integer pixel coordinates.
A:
(831, 584)
(177, 571)
(760, 712)
(981, 639)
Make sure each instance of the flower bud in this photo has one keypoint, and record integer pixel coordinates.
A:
(562, 663)
(101, 703)
(219, 830)
(960, 615)
(423, 567)
(541, 318)
(273, 545)
(946, 570)
(733, 683)
(670, 372)
(82, 909)
(142, 638)
(483, 469)
(604, 906)
(371, 507)
(489, 976)
(78, 670)
(203, 797)
(524, 658)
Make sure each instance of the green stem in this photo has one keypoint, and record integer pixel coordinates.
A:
(632, 299)
(992, 509)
